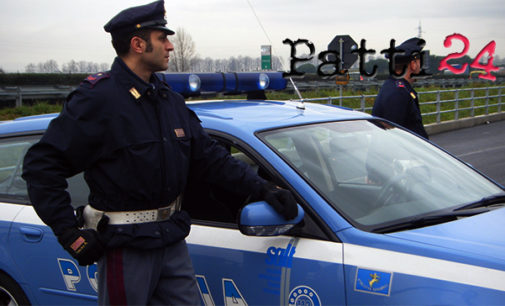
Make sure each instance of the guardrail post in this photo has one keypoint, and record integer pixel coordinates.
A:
(472, 103)
(499, 99)
(362, 102)
(438, 106)
(330, 101)
(341, 95)
(19, 97)
(456, 105)
(487, 100)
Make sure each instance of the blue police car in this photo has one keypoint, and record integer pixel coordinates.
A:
(386, 218)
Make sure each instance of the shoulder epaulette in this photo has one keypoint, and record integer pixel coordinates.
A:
(399, 83)
(95, 78)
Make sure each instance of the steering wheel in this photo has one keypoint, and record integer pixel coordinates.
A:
(394, 187)
(403, 184)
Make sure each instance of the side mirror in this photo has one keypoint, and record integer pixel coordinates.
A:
(260, 219)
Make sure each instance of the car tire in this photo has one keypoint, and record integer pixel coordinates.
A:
(11, 293)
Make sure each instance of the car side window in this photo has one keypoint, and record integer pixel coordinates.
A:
(12, 151)
(221, 208)
(220, 205)
(12, 185)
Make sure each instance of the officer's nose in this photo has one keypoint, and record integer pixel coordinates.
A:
(169, 46)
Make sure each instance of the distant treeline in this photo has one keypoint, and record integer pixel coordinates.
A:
(233, 64)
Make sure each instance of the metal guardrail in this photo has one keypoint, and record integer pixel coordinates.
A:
(465, 101)
(17, 94)
(376, 84)
(461, 102)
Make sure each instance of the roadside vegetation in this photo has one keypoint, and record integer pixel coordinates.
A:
(485, 101)
(38, 107)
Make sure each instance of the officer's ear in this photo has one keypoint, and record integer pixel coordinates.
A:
(137, 44)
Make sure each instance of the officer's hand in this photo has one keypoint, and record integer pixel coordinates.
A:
(281, 200)
(83, 245)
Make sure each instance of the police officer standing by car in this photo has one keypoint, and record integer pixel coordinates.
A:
(138, 145)
(397, 101)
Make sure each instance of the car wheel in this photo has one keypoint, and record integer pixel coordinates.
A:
(11, 293)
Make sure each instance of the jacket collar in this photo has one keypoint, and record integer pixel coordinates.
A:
(132, 82)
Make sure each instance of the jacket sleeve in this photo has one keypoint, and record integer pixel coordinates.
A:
(70, 144)
(214, 164)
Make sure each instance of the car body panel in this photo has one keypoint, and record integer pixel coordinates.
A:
(52, 274)
(477, 236)
(457, 262)
(281, 265)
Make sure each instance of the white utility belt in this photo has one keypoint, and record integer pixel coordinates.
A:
(92, 216)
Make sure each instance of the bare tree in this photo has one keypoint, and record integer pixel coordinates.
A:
(248, 63)
(104, 67)
(196, 64)
(184, 51)
(70, 67)
(277, 63)
(31, 68)
(51, 66)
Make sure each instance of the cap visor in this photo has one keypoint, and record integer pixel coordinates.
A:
(164, 29)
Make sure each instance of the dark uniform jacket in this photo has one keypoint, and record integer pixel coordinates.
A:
(137, 144)
(397, 102)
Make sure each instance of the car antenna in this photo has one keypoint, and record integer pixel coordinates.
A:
(300, 105)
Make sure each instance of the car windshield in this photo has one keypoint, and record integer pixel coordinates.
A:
(374, 173)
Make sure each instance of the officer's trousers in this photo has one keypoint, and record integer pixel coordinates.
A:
(163, 276)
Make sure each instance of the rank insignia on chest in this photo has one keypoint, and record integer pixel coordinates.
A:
(413, 95)
(179, 133)
(135, 93)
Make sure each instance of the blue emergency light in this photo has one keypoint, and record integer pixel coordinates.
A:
(194, 84)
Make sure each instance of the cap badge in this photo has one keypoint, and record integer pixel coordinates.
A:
(134, 92)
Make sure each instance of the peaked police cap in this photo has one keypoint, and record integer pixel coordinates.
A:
(148, 16)
(410, 50)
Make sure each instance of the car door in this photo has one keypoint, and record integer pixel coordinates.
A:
(46, 271)
(303, 268)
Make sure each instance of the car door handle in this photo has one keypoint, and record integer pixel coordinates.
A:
(31, 234)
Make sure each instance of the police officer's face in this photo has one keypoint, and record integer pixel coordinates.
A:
(415, 66)
(157, 58)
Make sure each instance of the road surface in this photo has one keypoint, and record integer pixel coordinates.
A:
(482, 146)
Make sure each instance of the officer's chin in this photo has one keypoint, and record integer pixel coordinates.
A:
(163, 67)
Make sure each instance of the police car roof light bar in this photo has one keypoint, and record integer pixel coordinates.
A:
(227, 83)
(187, 84)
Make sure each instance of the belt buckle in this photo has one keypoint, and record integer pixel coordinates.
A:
(163, 213)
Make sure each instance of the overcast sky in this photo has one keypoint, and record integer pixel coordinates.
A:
(34, 31)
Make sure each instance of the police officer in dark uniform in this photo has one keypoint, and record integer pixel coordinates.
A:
(397, 101)
(138, 145)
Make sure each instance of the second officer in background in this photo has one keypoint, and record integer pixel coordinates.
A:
(397, 101)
